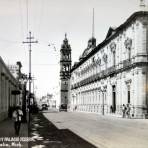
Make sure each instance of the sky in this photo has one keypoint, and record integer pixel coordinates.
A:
(49, 20)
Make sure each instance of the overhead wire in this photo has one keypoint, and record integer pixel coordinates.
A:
(27, 15)
(8, 41)
(40, 18)
(41, 15)
(48, 64)
(2, 39)
(32, 17)
(21, 18)
(23, 15)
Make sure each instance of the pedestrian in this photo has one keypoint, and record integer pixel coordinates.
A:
(132, 111)
(111, 109)
(123, 110)
(128, 110)
(17, 116)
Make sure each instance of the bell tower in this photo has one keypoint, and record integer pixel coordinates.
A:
(65, 67)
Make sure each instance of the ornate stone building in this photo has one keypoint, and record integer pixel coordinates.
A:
(115, 72)
(65, 67)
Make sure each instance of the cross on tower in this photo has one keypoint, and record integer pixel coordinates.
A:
(65, 35)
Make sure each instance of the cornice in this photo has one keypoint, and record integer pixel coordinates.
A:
(107, 40)
(110, 72)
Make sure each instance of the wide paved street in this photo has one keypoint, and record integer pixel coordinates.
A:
(104, 131)
(45, 135)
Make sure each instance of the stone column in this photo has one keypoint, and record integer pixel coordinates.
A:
(121, 57)
(141, 95)
(144, 36)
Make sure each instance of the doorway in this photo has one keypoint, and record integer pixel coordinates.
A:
(128, 96)
(113, 99)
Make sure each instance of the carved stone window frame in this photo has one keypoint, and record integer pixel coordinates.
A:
(128, 83)
(128, 46)
(113, 47)
(99, 61)
(113, 50)
(128, 43)
(105, 58)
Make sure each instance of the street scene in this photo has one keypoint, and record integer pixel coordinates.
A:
(74, 74)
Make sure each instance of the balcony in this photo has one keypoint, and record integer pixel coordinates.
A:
(111, 70)
(104, 73)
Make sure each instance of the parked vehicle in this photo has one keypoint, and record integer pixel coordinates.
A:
(44, 107)
(63, 107)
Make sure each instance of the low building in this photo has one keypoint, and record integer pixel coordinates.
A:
(9, 90)
(115, 72)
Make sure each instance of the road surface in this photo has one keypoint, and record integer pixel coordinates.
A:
(103, 131)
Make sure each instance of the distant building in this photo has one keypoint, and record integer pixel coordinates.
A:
(14, 70)
(115, 72)
(65, 67)
(49, 100)
(56, 95)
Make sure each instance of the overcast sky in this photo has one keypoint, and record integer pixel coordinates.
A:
(48, 20)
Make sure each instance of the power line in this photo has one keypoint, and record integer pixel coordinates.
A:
(21, 17)
(27, 15)
(9, 41)
(93, 25)
(41, 15)
(44, 64)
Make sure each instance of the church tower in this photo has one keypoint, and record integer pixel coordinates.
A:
(65, 67)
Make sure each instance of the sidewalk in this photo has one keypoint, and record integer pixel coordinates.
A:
(8, 137)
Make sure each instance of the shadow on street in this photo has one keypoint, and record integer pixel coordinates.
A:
(45, 134)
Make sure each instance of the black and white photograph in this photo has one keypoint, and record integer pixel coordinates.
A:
(73, 73)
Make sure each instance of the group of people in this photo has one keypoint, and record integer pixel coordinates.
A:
(126, 110)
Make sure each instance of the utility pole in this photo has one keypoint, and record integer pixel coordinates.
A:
(29, 42)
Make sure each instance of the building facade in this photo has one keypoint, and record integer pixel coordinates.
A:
(65, 67)
(49, 100)
(115, 72)
(8, 90)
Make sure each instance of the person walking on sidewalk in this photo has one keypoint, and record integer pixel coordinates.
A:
(123, 110)
(128, 111)
(17, 116)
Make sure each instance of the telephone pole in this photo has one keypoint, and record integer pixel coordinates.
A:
(30, 40)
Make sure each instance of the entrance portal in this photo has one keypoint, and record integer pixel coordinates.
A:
(128, 96)
(114, 99)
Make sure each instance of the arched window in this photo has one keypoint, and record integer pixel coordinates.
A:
(114, 58)
(128, 45)
(113, 50)
(105, 59)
